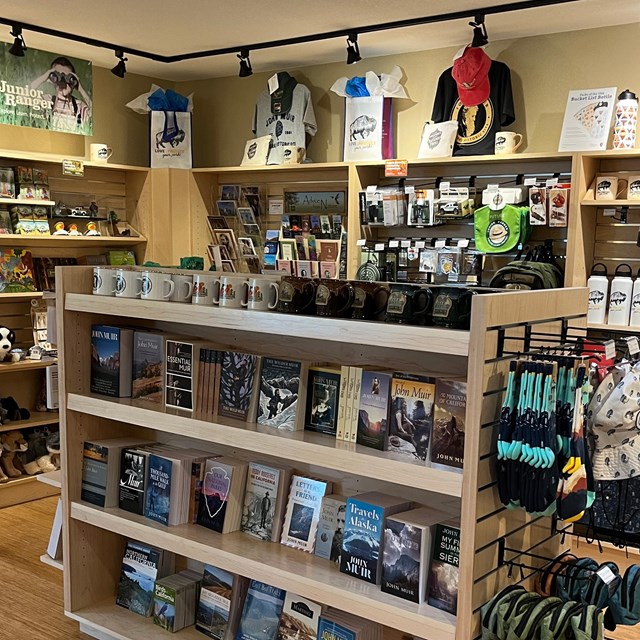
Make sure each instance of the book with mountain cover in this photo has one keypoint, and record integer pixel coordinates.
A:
(282, 390)
(411, 416)
(261, 612)
(303, 512)
(159, 494)
(407, 549)
(299, 619)
(323, 393)
(264, 501)
(444, 570)
(363, 533)
(373, 410)
(111, 360)
(447, 440)
(237, 383)
(148, 367)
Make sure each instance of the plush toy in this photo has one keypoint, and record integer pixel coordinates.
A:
(12, 443)
(7, 338)
(3, 476)
(13, 410)
(53, 447)
(36, 458)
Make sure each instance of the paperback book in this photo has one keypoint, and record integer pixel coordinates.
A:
(182, 359)
(111, 360)
(444, 570)
(447, 446)
(323, 393)
(331, 528)
(340, 625)
(299, 619)
(261, 612)
(158, 491)
(237, 382)
(411, 417)
(282, 388)
(148, 361)
(175, 600)
(133, 475)
(373, 411)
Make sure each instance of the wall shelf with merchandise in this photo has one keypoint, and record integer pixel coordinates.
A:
(94, 536)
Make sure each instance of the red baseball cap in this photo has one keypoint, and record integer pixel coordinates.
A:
(471, 73)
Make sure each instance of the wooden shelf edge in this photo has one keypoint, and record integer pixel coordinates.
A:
(24, 240)
(30, 201)
(24, 489)
(53, 478)
(280, 566)
(17, 297)
(299, 446)
(37, 419)
(45, 558)
(613, 328)
(26, 365)
(610, 203)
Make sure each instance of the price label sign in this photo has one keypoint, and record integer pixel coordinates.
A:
(610, 349)
(73, 168)
(530, 182)
(396, 168)
(632, 345)
(394, 244)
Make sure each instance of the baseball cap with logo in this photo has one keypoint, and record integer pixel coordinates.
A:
(471, 73)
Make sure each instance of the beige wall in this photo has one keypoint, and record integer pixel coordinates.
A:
(122, 129)
(544, 68)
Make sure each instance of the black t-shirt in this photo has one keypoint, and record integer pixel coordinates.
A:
(477, 126)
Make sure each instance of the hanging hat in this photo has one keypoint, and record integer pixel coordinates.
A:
(471, 73)
(614, 420)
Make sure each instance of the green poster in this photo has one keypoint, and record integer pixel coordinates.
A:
(46, 91)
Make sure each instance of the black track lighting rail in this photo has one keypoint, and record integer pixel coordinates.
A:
(284, 42)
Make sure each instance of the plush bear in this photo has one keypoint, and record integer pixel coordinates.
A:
(7, 338)
(13, 410)
(12, 443)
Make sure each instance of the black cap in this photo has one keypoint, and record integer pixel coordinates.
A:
(627, 94)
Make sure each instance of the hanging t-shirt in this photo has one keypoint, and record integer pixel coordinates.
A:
(287, 129)
(477, 126)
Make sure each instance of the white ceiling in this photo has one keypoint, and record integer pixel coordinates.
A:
(170, 27)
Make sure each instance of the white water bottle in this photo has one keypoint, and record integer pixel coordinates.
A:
(620, 296)
(635, 303)
(624, 129)
(598, 284)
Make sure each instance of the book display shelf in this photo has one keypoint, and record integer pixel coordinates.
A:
(94, 538)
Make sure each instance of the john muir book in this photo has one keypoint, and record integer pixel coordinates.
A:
(237, 383)
(111, 353)
(331, 528)
(282, 391)
(444, 570)
(447, 440)
(181, 371)
(323, 394)
(373, 409)
(148, 367)
(363, 533)
(261, 612)
(133, 478)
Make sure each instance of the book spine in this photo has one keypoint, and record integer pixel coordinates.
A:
(215, 381)
(199, 397)
(357, 385)
(362, 204)
(346, 432)
(342, 400)
(206, 375)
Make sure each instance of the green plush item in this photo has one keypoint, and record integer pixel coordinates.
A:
(501, 231)
(194, 263)
(149, 263)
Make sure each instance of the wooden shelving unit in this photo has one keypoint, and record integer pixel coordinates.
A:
(95, 537)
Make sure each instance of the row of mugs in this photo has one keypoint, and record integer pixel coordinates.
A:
(205, 288)
(612, 187)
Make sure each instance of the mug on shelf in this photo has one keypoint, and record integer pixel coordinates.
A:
(183, 287)
(104, 283)
(633, 190)
(100, 152)
(205, 287)
(610, 187)
(232, 292)
(452, 307)
(127, 283)
(507, 142)
(156, 285)
(297, 295)
(408, 304)
(334, 298)
(369, 301)
(262, 294)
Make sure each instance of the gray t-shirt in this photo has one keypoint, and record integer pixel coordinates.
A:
(287, 130)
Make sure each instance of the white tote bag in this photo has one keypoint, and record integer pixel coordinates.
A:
(363, 123)
(438, 139)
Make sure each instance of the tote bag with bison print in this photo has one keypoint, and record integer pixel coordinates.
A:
(367, 129)
(170, 140)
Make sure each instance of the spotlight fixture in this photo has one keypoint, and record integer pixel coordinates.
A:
(480, 37)
(245, 64)
(121, 68)
(353, 51)
(18, 47)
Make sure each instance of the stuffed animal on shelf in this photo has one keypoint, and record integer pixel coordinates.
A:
(53, 447)
(12, 443)
(36, 458)
(3, 476)
(12, 410)
(7, 338)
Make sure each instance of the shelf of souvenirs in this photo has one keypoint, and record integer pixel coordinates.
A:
(26, 365)
(27, 240)
(299, 446)
(276, 564)
(36, 419)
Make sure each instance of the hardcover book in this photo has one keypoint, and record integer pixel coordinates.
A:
(331, 528)
(158, 492)
(373, 410)
(411, 416)
(148, 361)
(299, 619)
(363, 533)
(261, 612)
(111, 359)
(407, 548)
(281, 394)
(237, 382)
(303, 512)
(323, 393)
(444, 570)
(133, 474)
(447, 440)
(182, 359)
(218, 607)
(140, 568)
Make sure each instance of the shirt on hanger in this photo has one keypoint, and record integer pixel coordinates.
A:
(288, 129)
(477, 126)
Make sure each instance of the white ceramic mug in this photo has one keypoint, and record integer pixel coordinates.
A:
(156, 285)
(610, 187)
(183, 288)
(205, 287)
(127, 284)
(232, 292)
(100, 152)
(262, 294)
(104, 281)
(633, 190)
(507, 142)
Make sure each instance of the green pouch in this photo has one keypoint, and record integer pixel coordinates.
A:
(500, 231)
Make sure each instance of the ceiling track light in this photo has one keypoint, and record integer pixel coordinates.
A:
(18, 47)
(480, 37)
(245, 64)
(353, 51)
(121, 68)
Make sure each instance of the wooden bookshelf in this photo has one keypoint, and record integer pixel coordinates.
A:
(26, 365)
(36, 419)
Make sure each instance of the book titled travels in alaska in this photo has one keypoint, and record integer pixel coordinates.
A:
(447, 441)
(363, 533)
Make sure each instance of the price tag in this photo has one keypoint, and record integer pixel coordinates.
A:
(530, 182)
(463, 242)
(440, 244)
(633, 345)
(609, 213)
(409, 189)
(552, 182)
(72, 168)
(379, 246)
(405, 244)
(372, 188)
(453, 277)
(606, 575)
(396, 168)
(420, 244)
(610, 349)
(273, 83)
(445, 186)
(276, 206)
(361, 243)
(394, 244)
(493, 187)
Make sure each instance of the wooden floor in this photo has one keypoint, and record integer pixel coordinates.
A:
(31, 590)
